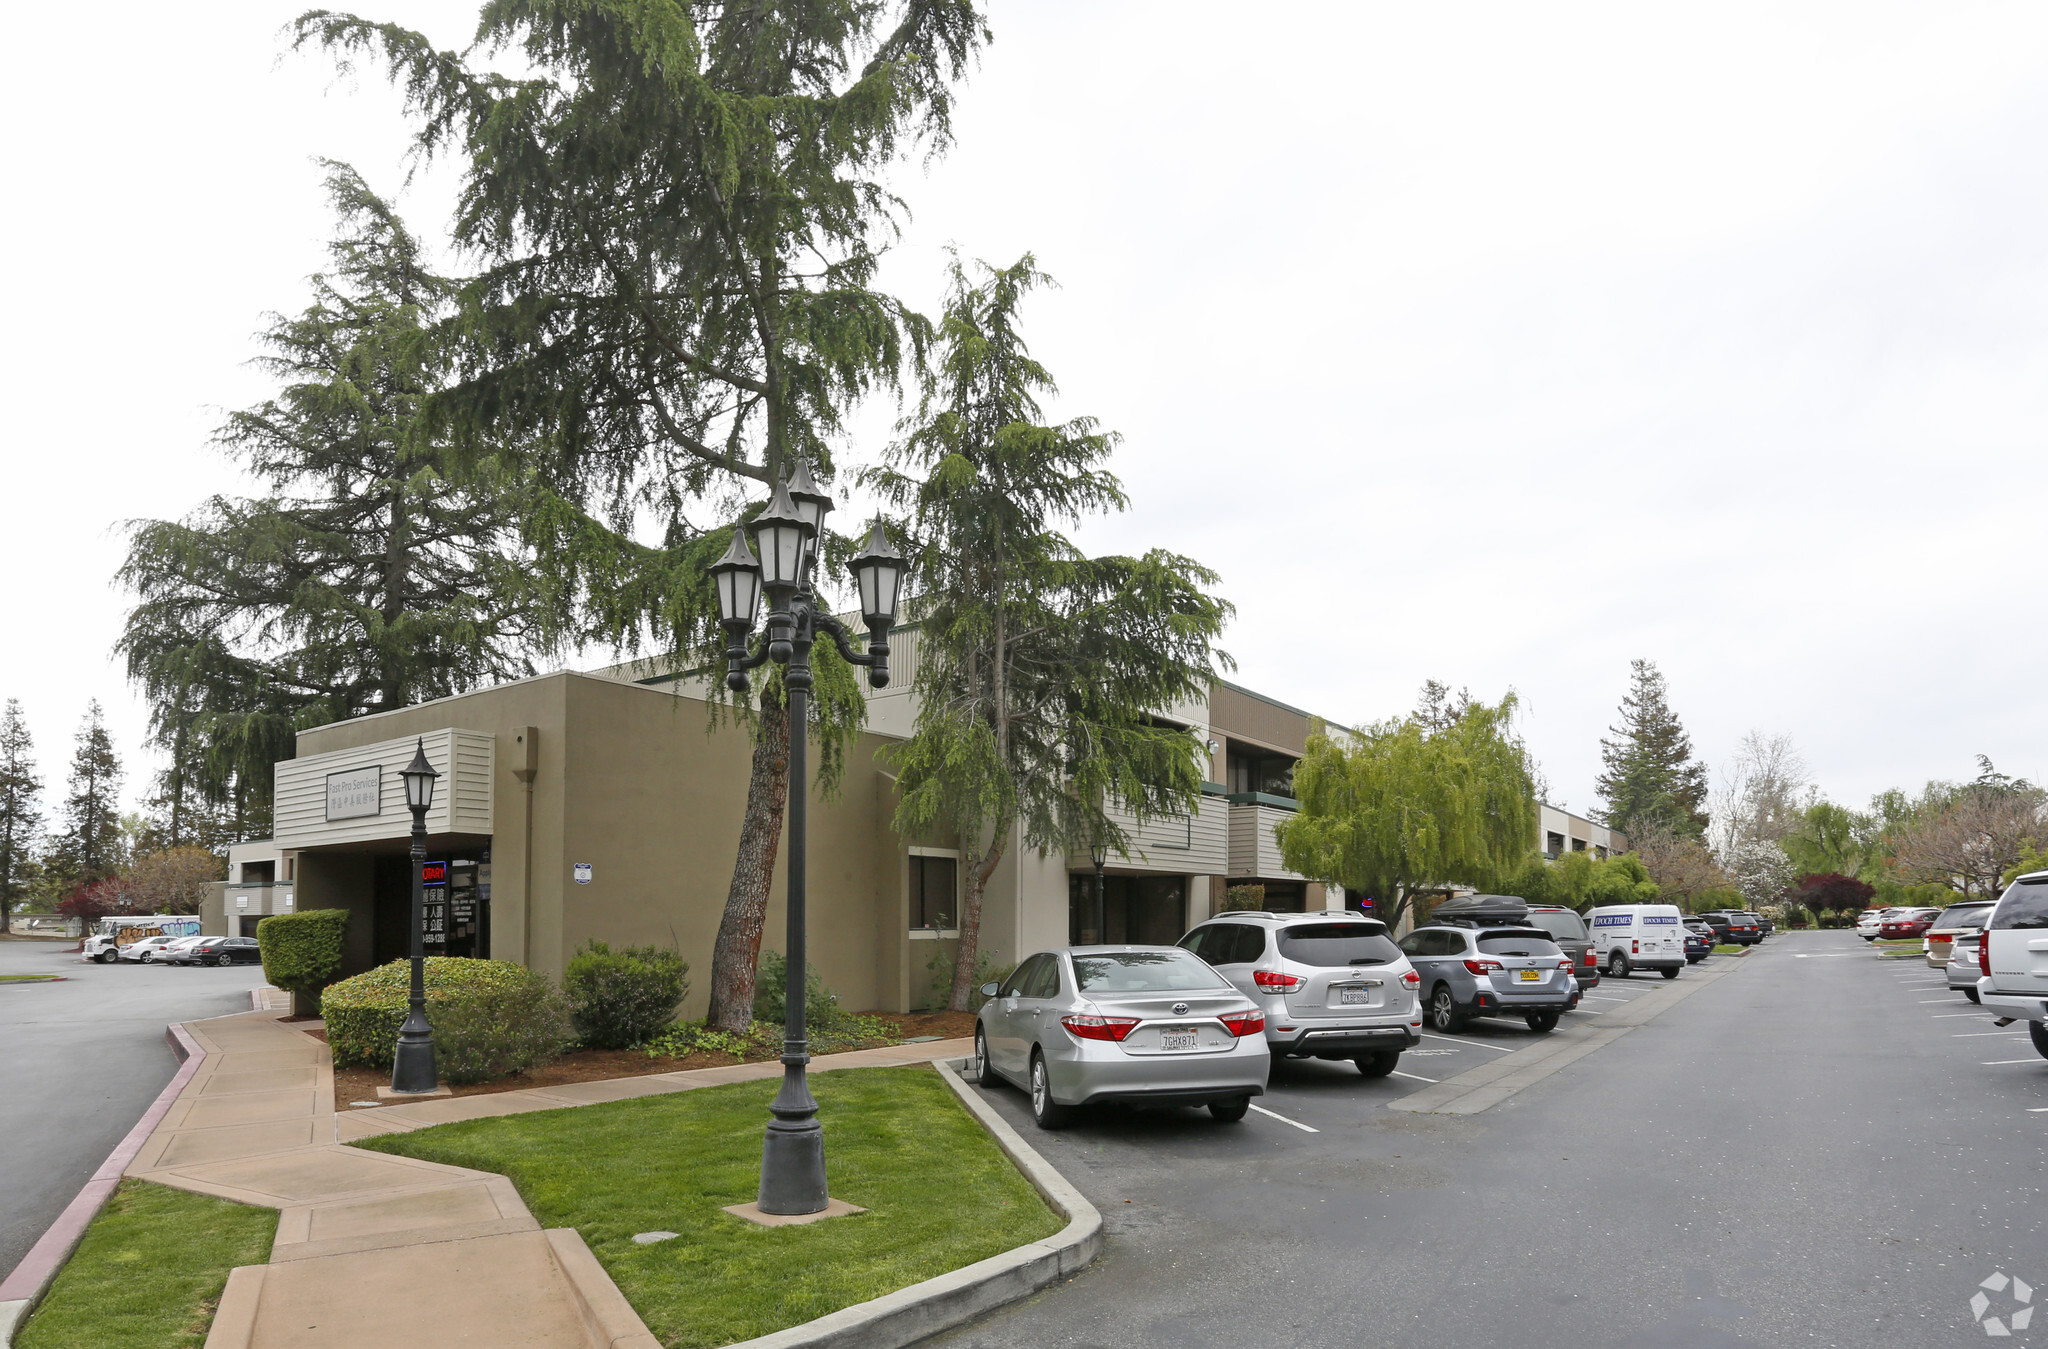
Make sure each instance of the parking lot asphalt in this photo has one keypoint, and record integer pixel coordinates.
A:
(79, 1063)
(1824, 1148)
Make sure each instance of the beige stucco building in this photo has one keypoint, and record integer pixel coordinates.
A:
(608, 805)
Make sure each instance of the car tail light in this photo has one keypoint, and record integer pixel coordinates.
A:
(1276, 982)
(1564, 964)
(1635, 948)
(1412, 979)
(1984, 955)
(1591, 959)
(1099, 1027)
(1482, 966)
(1242, 1024)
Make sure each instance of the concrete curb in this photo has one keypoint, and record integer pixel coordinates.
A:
(910, 1314)
(25, 1286)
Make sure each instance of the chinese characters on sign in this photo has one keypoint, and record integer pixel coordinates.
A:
(355, 794)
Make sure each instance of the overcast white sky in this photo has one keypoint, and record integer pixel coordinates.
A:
(1497, 344)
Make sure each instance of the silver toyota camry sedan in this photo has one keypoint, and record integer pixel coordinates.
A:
(1135, 1025)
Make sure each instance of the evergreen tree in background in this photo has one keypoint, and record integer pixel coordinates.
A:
(368, 580)
(89, 847)
(20, 816)
(680, 213)
(1651, 781)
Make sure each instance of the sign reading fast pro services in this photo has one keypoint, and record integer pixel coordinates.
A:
(356, 793)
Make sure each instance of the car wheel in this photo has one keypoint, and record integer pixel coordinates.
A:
(1378, 1065)
(1971, 994)
(1542, 1022)
(105, 958)
(1617, 965)
(1443, 1011)
(1232, 1110)
(983, 1072)
(2038, 1033)
(1670, 971)
(144, 957)
(224, 960)
(1046, 1113)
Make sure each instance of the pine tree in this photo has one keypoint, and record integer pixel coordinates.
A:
(88, 848)
(680, 211)
(1651, 781)
(20, 789)
(369, 579)
(1039, 669)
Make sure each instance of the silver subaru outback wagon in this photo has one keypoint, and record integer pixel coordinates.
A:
(1490, 971)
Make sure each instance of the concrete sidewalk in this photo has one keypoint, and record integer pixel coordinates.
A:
(373, 1249)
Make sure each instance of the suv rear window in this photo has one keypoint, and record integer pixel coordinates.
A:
(1560, 923)
(2025, 905)
(1963, 915)
(1523, 943)
(1143, 972)
(1333, 944)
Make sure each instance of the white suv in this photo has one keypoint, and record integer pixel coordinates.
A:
(2012, 958)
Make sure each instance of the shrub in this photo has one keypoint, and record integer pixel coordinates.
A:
(821, 1004)
(986, 971)
(1239, 898)
(491, 1018)
(302, 952)
(624, 998)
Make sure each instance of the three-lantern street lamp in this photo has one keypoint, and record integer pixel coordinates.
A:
(412, 1067)
(786, 537)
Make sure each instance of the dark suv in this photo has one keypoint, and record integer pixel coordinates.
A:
(1699, 940)
(1568, 930)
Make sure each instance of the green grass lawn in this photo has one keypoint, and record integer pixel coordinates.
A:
(150, 1271)
(1730, 949)
(939, 1195)
(27, 978)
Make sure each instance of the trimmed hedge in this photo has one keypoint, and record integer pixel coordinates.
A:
(624, 998)
(491, 1018)
(302, 952)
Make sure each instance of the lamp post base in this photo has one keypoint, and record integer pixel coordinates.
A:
(412, 1064)
(793, 1155)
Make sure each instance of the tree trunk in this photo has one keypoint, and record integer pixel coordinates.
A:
(969, 950)
(737, 952)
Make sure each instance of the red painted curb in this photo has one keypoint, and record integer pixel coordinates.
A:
(31, 1278)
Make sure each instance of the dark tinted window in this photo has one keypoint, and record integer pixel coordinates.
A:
(1963, 915)
(1247, 944)
(1524, 943)
(1334, 944)
(2025, 905)
(1143, 972)
(934, 888)
(1045, 980)
(1021, 976)
(1560, 923)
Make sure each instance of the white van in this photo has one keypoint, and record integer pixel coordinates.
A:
(1638, 936)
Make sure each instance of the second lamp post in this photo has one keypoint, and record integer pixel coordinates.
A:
(786, 535)
(412, 1067)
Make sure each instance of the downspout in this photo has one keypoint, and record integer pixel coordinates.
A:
(525, 761)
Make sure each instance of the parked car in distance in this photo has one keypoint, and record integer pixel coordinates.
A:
(1903, 924)
(144, 951)
(1568, 930)
(1631, 936)
(1763, 923)
(1332, 985)
(2012, 957)
(1717, 924)
(1742, 928)
(1699, 941)
(1963, 969)
(1150, 1025)
(175, 952)
(1470, 972)
(1868, 922)
(219, 951)
(1968, 916)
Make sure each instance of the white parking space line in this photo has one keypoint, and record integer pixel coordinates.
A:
(1284, 1120)
(1950, 1016)
(1929, 1002)
(2036, 1109)
(1454, 1040)
(2000, 1063)
(1412, 1077)
(1604, 998)
(1979, 1034)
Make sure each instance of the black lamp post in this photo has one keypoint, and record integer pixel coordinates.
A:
(786, 536)
(412, 1067)
(1100, 852)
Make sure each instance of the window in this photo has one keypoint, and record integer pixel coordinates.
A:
(1045, 980)
(1330, 945)
(1021, 976)
(1578, 845)
(2025, 906)
(1272, 774)
(1517, 944)
(1559, 923)
(934, 891)
(1143, 972)
(1553, 845)
(1963, 915)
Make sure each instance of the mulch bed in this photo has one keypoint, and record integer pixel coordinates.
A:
(353, 1085)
